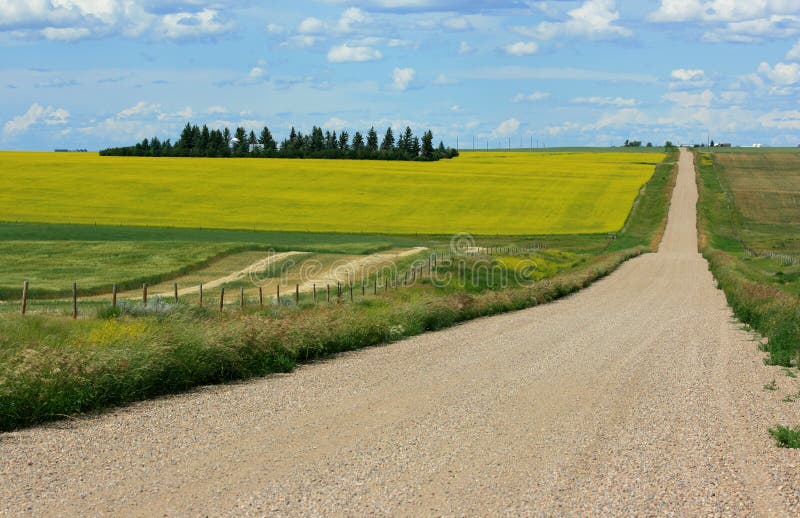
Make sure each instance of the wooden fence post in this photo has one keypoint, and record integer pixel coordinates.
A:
(297, 294)
(351, 292)
(74, 300)
(363, 289)
(279, 295)
(175, 289)
(114, 295)
(315, 294)
(261, 296)
(329, 293)
(375, 288)
(221, 298)
(24, 297)
(201, 294)
(144, 294)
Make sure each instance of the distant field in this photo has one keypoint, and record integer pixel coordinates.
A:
(500, 193)
(760, 222)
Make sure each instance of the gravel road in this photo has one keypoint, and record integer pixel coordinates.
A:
(637, 396)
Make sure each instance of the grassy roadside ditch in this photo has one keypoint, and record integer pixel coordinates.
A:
(52, 367)
(762, 305)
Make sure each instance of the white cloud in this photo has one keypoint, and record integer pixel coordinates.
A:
(71, 20)
(311, 25)
(179, 26)
(720, 10)
(139, 109)
(605, 101)
(351, 17)
(345, 53)
(783, 74)
(457, 23)
(781, 119)
(690, 78)
(703, 98)
(531, 97)
(36, 114)
(748, 31)
(300, 41)
(506, 128)
(594, 19)
(733, 97)
(794, 53)
(455, 108)
(522, 48)
(216, 109)
(402, 77)
(335, 123)
(465, 48)
(442, 79)
(274, 28)
(738, 21)
(687, 74)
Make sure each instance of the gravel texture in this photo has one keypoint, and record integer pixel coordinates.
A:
(640, 395)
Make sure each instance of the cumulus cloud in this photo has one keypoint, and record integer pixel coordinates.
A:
(465, 48)
(335, 123)
(689, 78)
(781, 119)
(402, 77)
(70, 20)
(36, 114)
(311, 26)
(686, 99)
(594, 19)
(506, 128)
(605, 101)
(735, 21)
(531, 97)
(794, 53)
(720, 10)
(522, 48)
(687, 74)
(783, 74)
(344, 53)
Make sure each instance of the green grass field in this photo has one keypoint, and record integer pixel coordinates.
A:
(480, 193)
(749, 227)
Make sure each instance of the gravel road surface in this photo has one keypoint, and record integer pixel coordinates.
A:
(640, 395)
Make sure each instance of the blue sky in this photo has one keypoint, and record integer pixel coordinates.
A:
(94, 73)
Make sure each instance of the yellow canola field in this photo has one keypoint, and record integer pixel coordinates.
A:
(504, 193)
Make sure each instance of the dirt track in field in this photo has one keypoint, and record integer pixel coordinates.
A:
(639, 395)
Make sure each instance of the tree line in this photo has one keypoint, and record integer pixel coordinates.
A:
(203, 142)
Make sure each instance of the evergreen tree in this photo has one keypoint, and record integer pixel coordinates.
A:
(358, 142)
(205, 137)
(317, 139)
(427, 145)
(372, 140)
(266, 140)
(415, 148)
(407, 141)
(388, 140)
(344, 139)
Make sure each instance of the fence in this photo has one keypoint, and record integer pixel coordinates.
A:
(344, 291)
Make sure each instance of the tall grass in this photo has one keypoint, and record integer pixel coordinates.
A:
(763, 306)
(51, 368)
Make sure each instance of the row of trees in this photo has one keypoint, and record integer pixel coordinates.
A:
(202, 142)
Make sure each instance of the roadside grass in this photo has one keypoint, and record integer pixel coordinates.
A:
(726, 236)
(52, 367)
(786, 437)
